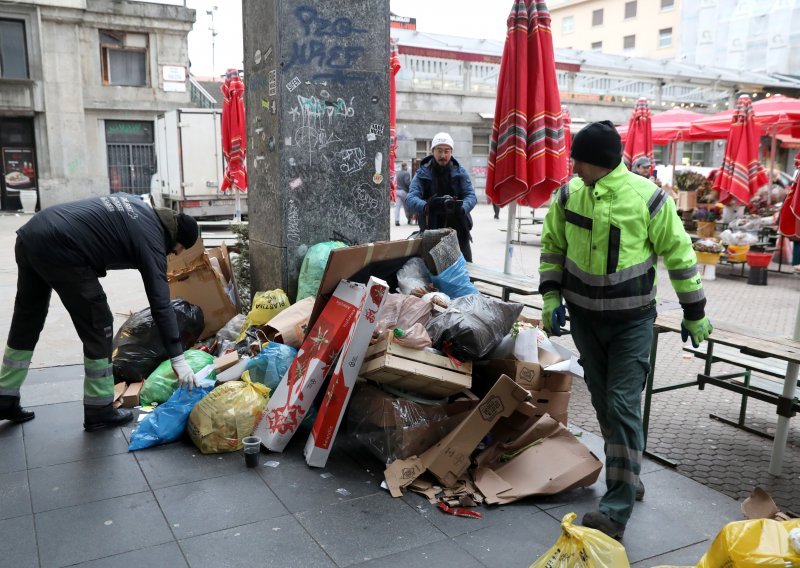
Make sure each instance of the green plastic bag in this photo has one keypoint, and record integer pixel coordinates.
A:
(313, 267)
(162, 382)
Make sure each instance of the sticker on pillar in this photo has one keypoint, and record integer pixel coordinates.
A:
(377, 178)
(293, 84)
(257, 56)
(287, 141)
(374, 100)
(271, 144)
(296, 183)
(273, 83)
(268, 53)
(273, 107)
(264, 104)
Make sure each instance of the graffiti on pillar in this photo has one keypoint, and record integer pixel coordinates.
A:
(327, 46)
(351, 160)
(293, 222)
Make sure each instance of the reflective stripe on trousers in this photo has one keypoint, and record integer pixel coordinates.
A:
(616, 359)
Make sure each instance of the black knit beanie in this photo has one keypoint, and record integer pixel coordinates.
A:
(599, 144)
(187, 230)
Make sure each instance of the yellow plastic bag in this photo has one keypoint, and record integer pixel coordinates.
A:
(582, 547)
(266, 305)
(757, 543)
(227, 414)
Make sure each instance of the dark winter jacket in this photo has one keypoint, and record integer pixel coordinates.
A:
(111, 232)
(422, 190)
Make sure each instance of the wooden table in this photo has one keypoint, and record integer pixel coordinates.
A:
(508, 283)
(749, 342)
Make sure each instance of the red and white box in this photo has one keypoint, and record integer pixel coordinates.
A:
(296, 392)
(329, 415)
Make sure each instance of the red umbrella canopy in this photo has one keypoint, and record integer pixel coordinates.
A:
(741, 175)
(234, 132)
(394, 67)
(668, 126)
(566, 120)
(790, 211)
(527, 159)
(640, 136)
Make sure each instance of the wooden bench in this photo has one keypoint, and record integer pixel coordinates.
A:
(508, 283)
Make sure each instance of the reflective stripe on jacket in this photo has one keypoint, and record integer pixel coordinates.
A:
(600, 245)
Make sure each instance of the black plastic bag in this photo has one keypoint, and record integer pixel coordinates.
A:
(137, 346)
(472, 326)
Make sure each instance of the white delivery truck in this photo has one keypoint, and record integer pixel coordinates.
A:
(190, 165)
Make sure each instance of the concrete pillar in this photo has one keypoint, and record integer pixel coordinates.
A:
(317, 103)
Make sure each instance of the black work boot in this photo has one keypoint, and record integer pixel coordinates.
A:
(12, 411)
(640, 490)
(100, 417)
(605, 524)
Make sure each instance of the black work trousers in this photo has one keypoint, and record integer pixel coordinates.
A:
(80, 292)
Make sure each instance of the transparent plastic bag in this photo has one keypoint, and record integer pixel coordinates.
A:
(757, 543)
(220, 421)
(400, 310)
(415, 337)
(232, 329)
(413, 276)
(582, 547)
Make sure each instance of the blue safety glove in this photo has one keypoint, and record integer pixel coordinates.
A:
(554, 314)
(698, 330)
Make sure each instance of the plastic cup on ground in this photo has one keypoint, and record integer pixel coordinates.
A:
(252, 447)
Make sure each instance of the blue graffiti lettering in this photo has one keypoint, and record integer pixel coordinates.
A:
(315, 25)
(314, 52)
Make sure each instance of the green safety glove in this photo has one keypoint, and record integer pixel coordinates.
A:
(554, 314)
(698, 330)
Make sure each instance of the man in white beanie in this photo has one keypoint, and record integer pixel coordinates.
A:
(441, 193)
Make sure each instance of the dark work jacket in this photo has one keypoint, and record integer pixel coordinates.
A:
(422, 190)
(111, 232)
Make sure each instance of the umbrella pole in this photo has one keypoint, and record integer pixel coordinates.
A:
(772, 150)
(512, 214)
(782, 428)
(237, 209)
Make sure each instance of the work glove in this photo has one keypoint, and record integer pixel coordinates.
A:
(182, 370)
(698, 330)
(554, 314)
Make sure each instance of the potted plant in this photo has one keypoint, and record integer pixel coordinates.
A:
(706, 221)
(708, 252)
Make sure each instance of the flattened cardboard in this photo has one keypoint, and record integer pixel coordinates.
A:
(761, 506)
(119, 390)
(449, 458)
(555, 462)
(191, 277)
(299, 386)
(343, 263)
(331, 411)
(225, 361)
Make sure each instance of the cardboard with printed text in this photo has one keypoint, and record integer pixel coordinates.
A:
(329, 416)
(295, 393)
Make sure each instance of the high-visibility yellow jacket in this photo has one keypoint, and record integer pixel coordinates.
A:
(600, 245)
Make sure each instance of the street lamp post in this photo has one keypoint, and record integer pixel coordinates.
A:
(213, 30)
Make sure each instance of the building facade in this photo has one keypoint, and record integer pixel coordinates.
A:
(81, 82)
(640, 28)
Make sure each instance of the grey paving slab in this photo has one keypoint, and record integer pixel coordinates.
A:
(12, 448)
(15, 495)
(18, 543)
(70, 444)
(75, 483)
(53, 385)
(367, 528)
(442, 553)
(181, 462)
(161, 556)
(512, 544)
(339, 480)
(63, 417)
(688, 556)
(99, 529)
(218, 503)
(277, 543)
(9, 430)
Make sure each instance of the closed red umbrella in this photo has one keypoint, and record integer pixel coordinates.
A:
(566, 120)
(741, 175)
(394, 67)
(639, 141)
(234, 132)
(527, 161)
(790, 211)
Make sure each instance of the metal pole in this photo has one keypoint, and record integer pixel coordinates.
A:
(782, 429)
(772, 149)
(512, 215)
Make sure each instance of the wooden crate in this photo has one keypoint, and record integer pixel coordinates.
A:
(415, 370)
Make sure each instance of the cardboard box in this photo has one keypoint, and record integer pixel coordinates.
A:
(289, 326)
(119, 390)
(415, 370)
(531, 376)
(687, 200)
(296, 392)
(131, 397)
(191, 277)
(551, 460)
(449, 458)
(225, 361)
(329, 415)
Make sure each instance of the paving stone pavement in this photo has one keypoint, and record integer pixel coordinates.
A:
(68, 498)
